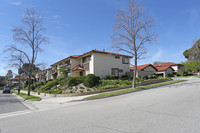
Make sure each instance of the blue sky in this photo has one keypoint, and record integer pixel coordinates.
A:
(78, 26)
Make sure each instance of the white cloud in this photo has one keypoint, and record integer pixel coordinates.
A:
(16, 3)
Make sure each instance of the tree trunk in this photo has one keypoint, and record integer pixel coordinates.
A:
(134, 73)
(29, 82)
(19, 86)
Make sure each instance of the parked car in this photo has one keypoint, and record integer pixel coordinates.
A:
(6, 90)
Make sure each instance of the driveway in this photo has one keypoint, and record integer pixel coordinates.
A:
(10, 103)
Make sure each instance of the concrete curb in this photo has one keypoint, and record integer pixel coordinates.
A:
(25, 103)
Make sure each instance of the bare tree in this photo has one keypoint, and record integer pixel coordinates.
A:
(29, 35)
(132, 32)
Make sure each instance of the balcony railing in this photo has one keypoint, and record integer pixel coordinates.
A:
(66, 66)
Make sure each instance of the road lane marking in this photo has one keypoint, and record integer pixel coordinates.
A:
(4, 115)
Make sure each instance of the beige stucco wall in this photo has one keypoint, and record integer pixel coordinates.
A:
(103, 63)
(75, 74)
(74, 62)
(100, 65)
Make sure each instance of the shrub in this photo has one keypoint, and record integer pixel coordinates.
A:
(179, 73)
(73, 81)
(59, 91)
(124, 77)
(111, 77)
(1, 87)
(89, 90)
(49, 84)
(139, 79)
(154, 76)
(107, 82)
(170, 75)
(91, 80)
(126, 82)
(63, 82)
(33, 87)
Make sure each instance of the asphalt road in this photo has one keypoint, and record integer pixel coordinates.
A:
(169, 109)
(9, 103)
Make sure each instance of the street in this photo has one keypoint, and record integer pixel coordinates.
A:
(169, 109)
(9, 103)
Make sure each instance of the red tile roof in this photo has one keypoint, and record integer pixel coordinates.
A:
(47, 69)
(164, 68)
(141, 67)
(166, 64)
(104, 52)
(77, 68)
(92, 51)
(26, 77)
(73, 56)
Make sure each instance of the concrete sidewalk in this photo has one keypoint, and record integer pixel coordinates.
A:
(51, 102)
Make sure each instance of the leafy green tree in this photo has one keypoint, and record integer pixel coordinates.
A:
(63, 71)
(193, 53)
(157, 62)
(192, 65)
(2, 81)
(186, 53)
(9, 74)
(24, 70)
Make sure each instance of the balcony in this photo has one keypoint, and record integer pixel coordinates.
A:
(54, 70)
(66, 66)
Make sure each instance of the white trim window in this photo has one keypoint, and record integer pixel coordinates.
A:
(125, 60)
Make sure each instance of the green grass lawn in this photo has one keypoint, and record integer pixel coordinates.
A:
(30, 98)
(118, 92)
(197, 76)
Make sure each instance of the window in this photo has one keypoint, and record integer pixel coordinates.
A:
(125, 60)
(117, 57)
(81, 73)
(86, 66)
(86, 59)
(67, 62)
(115, 71)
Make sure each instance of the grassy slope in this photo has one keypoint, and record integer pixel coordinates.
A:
(118, 92)
(30, 98)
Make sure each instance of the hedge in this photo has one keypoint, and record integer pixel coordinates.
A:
(91, 80)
